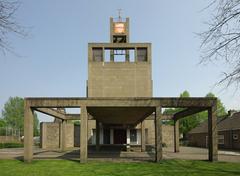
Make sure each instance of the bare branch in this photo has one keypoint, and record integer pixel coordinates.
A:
(9, 25)
(221, 42)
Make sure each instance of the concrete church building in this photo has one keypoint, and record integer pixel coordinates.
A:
(115, 73)
(119, 109)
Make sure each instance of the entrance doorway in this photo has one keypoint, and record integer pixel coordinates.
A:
(120, 136)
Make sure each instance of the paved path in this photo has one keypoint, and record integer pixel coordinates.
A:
(194, 153)
(188, 153)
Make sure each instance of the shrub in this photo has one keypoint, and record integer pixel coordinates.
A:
(11, 145)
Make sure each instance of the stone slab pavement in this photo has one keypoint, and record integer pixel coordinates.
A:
(186, 153)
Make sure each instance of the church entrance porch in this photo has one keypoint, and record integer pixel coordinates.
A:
(120, 136)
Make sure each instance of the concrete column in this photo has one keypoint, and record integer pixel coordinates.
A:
(111, 136)
(176, 136)
(212, 134)
(128, 136)
(28, 132)
(128, 140)
(143, 139)
(97, 135)
(83, 134)
(43, 135)
(101, 135)
(158, 134)
(63, 135)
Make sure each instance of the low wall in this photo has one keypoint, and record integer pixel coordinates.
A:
(9, 139)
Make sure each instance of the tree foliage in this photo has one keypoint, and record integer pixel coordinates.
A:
(190, 122)
(221, 41)
(13, 115)
(2, 123)
(221, 110)
(8, 23)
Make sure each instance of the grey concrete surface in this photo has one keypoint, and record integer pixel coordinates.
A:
(186, 153)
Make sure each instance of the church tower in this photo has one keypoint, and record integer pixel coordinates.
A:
(119, 68)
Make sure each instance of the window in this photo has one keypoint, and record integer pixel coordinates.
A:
(235, 136)
(142, 54)
(97, 54)
(106, 136)
(146, 136)
(107, 55)
(119, 55)
(133, 136)
(119, 28)
(220, 139)
(131, 55)
(119, 39)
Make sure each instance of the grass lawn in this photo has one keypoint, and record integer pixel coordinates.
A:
(69, 168)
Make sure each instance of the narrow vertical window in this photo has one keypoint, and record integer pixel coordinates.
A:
(97, 54)
(142, 54)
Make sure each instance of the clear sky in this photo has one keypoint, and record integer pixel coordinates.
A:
(53, 60)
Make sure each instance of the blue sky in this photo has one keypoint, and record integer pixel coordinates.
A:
(53, 60)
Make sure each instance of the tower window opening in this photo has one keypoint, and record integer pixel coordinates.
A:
(97, 54)
(107, 55)
(119, 55)
(119, 39)
(142, 54)
(131, 55)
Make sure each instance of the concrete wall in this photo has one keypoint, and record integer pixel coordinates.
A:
(119, 79)
(167, 135)
(50, 135)
(69, 135)
(150, 133)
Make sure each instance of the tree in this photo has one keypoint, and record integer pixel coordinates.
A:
(13, 114)
(2, 123)
(187, 123)
(221, 41)
(221, 110)
(8, 23)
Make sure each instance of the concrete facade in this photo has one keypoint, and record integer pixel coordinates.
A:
(50, 137)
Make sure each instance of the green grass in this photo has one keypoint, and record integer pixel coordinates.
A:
(70, 168)
(11, 145)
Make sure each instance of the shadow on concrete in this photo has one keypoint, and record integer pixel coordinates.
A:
(105, 153)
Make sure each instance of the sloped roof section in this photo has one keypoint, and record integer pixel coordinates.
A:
(224, 123)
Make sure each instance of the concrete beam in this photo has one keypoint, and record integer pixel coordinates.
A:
(119, 45)
(176, 136)
(158, 134)
(51, 112)
(58, 114)
(187, 102)
(91, 102)
(187, 112)
(212, 134)
(28, 132)
(120, 102)
(76, 117)
(83, 135)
